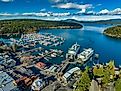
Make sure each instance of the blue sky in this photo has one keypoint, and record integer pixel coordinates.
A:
(61, 9)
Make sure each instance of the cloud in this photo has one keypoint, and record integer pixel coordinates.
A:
(42, 13)
(95, 17)
(98, 4)
(116, 11)
(105, 11)
(43, 10)
(58, 1)
(87, 16)
(6, 0)
(46, 14)
(73, 6)
(61, 17)
(36, 14)
(91, 12)
(5, 14)
(60, 14)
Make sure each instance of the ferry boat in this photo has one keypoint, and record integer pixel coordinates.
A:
(85, 55)
(73, 51)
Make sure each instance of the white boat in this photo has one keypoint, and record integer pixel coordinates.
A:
(72, 52)
(85, 55)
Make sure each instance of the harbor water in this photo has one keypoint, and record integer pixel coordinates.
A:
(90, 36)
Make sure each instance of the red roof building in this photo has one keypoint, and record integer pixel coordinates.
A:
(40, 65)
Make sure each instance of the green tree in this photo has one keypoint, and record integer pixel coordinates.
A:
(111, 67)
(84, 83)
(98, 71)
(106, 78)
(118, 85)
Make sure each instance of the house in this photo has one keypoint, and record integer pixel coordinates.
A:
(69, 73)
(52, 69)
(25, 81)
(40, 65)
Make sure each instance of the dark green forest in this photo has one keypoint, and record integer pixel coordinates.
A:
(113, 32)
(32, 25)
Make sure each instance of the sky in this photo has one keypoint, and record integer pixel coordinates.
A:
(61, 9)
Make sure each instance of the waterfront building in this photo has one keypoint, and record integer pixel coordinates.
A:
(66, 77)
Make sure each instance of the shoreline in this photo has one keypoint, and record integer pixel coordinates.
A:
(21, 26)
(112, 36)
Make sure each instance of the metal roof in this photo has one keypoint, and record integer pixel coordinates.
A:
(70, 72)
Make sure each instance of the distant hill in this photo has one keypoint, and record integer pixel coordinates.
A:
(33, 25)
(111, 21)
(70, 20)
(114, 32)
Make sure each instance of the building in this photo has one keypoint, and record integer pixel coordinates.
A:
(69, 73)
(39, 84)
(52, 69)
(25, 81)
(40, 65)
(7, 61)
(6, 82)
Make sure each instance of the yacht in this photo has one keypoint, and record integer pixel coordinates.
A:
(85, 55)
(73, 51)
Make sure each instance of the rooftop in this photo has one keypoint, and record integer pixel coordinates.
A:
(6, 82)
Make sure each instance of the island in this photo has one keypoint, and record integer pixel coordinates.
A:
(18, 26)
(114, 32)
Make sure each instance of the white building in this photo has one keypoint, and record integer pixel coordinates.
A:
(38, 84)
(69, 73)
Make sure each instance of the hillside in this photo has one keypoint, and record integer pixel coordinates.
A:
(32, 25)
(111, 21)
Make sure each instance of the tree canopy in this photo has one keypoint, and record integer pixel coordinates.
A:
(31, 25)
(113, 32)
(84, 83)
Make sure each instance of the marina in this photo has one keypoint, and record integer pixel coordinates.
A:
(37, 60)
(60, 45)
(30, 52)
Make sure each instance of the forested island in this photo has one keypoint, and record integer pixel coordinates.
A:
(18, 26)
(114, 32)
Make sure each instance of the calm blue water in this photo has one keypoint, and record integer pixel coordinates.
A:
(91, 36)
